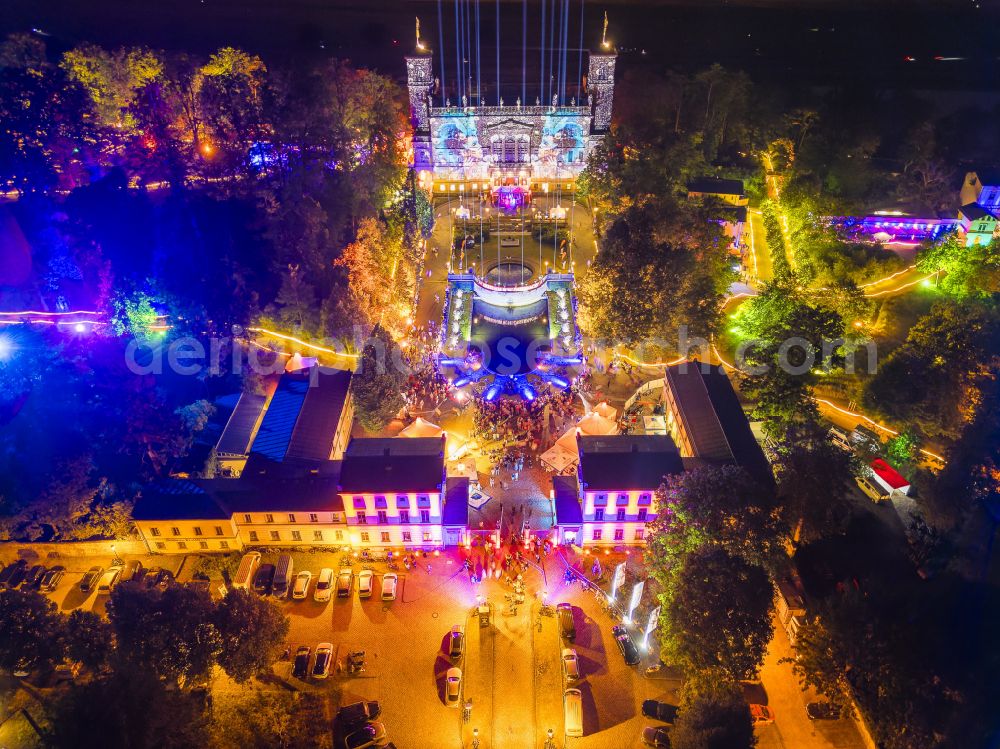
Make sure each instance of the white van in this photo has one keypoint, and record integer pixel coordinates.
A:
(573, 708)
(283, 577)
(247, 569)
(108, 581)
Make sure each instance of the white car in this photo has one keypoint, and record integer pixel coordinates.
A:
(365, 582)
(301, 587)
(324, 655)
(571, 664)
(324, 585)
(453, 687)
(389, 581)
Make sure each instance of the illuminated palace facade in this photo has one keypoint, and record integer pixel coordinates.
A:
(464, 147)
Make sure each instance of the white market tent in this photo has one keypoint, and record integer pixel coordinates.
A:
(421, 428)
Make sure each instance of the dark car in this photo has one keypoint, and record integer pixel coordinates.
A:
(565, 614)
(456, 642)
(300, 668)
(12, 575)
(370, 734)
(263, 580)
(358, 713)
(659, 710)
(50, 581)
(624, 641)
(33, 577)
(658, 737)
(91, 578)
(823, 711)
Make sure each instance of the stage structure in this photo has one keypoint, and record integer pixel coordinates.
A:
(462, 142)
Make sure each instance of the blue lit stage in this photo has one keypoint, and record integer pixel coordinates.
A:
(510, 339)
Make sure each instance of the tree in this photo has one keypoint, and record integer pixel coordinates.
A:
(372, 261)
(89, 639)
(966, 272)
(903, 451)
(713, 715)
(32, 631)
(112, 80)
(379, 380)
(717, 615)
(130, 707)
(820, 662)
(172, 632)
(717, 506)
(296, 300)
(272, 720)
(253, 631)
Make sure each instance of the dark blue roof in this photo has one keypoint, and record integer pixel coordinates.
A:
(276, 429)
(565, 489)
(456, 502)
(177, 499)
(393, 464)
(235, 439)
(627, 462)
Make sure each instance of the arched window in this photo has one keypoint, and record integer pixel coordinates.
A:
(509, 150)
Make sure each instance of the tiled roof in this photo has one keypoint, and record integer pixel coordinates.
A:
(627, 462)
(178, 499)
(393, 464)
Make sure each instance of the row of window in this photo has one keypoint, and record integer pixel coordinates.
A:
(269, 517)
(382, 518)
(386, 538)
(640, 534)
(620, 516)
(175, 531)
(621, 499)
(161, 545)
(402, 502)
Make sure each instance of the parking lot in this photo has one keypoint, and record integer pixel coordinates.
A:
(511, 670)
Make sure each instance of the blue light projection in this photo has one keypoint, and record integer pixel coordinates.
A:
(456, 142)
(563, 140)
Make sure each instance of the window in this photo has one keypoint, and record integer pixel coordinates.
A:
(291, 517)
(600, 500)
(160, 545)
(176, 531)
(364, 537)
(380, 503)
(620, 516)
(338, 535)
(181, 545)
(313, 517)
(423, 500)
(275, 536)
(203, 544)
(383, 518)
(359, 503)
(269, 518)
(645, 499)
(643, 512)
(427, 537)
(154, 531)
(362, 519)
(404, 516)
(640, 534)
(223, 544)
(197, 531)
(425, 516)
(253, 535)
(218, 530)
(619, 534)
(317, 535)
(599, 514)
(407, 537)
(385, 537)
(246, 517)
(402, 501)
(296, 536)
(622, 500)
(597, 534)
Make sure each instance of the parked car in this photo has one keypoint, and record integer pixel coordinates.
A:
(109, 580)
(823, 711)
(624, 641)
(50, 580)
(345, 581)
(456, 641)
(300, 666)
(67, 670)
(564, 612)
(324, 585)
(358, 713)
(18, 571)
(264, 578)
(369, 735)
(453, 687)
(283, 574)
(655, 736)
(131, 571)
(8, 572)
(366, 581)
(389, 582)
(324, 655)
(301, 587)
(570, 664)
(761, 714)
(91, 578)
(33, 577)
(659, 710)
